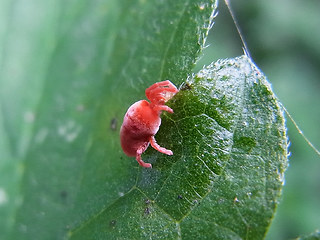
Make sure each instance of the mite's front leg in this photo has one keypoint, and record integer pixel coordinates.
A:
(161, 92)
(162, 108)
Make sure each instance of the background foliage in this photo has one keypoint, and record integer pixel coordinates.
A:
(282, 36)
(283, 39)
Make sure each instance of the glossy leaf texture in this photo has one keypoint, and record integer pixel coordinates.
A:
(68, 72)
(229, 141)
(313, 236)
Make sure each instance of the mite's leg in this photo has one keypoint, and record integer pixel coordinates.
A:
(163, 84)
(157, 147)
(162, 108)
(161, 91)
(138, 156)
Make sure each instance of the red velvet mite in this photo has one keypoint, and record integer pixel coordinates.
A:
(142, 121)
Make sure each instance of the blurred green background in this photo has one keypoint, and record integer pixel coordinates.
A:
(283, 38)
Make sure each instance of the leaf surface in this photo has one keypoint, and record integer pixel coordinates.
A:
(68, 72)
(225, 177)
(313, 236)
(74, 68)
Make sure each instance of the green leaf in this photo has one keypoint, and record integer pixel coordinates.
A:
(225, 177)
(68, 72)
(74, 68)
(312, 236)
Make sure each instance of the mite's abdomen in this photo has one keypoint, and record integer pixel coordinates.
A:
(139, 124)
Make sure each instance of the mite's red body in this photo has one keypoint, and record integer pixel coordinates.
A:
(142, 121)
